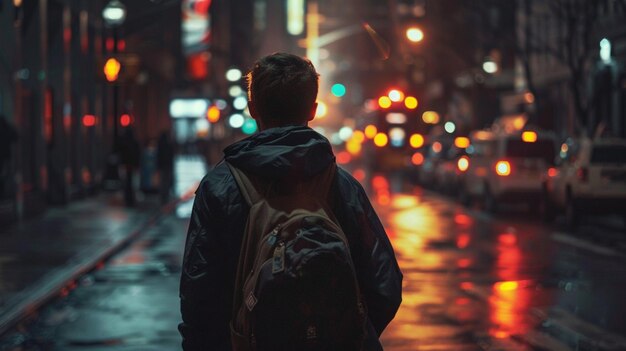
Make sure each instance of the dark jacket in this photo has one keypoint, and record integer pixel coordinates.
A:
(217, 225)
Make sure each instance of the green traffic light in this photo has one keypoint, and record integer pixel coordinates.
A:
(249, 126)
(338, 90)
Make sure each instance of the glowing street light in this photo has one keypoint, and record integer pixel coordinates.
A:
(415, 34)
(114, 13)
(605, 50)
(395, 95)
(489, 66)
(233, 75)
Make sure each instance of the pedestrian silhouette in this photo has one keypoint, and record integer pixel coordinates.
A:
(129, 152)
(165, 165)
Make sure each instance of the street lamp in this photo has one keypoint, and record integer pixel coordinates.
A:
(114, 14)
(490, 66)
(414, 34)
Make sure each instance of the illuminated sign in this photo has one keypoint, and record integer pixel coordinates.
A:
(189, 108)
(196, 25)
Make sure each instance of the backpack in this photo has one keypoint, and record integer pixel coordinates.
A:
(296, 286)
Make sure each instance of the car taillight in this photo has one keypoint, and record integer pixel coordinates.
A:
(583, 174)
(503, 168)
(463, 163)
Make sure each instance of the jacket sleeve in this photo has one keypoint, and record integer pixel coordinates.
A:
(379, 275)
(202, 294)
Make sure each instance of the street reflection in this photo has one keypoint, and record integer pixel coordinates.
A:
(465, 278)
(414, 225)
(509, 299)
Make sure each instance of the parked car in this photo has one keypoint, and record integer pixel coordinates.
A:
(506, 167)
(448, 170)
(435, 152)
(590, 178)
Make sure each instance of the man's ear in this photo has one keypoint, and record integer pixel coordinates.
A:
(313, 112)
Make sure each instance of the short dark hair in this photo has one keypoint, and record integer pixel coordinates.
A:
(283, 88)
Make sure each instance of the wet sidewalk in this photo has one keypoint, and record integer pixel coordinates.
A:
(40, 257)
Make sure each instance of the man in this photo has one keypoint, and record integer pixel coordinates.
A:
(282, 93)
(130, 154)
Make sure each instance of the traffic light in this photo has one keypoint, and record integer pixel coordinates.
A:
(213, 114)
(338, 90)
(112, 69)
(119, 68)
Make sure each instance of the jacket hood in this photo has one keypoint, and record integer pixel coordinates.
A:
(282, 153)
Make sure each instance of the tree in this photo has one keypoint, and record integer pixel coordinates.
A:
(566, 31)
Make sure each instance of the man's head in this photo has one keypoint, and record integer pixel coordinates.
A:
(282, 89)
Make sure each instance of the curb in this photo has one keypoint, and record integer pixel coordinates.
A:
(64, 278)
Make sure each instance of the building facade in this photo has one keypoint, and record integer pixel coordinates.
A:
(571, 59)
(54, 93)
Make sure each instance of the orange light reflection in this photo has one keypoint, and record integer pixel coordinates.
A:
(511, 296)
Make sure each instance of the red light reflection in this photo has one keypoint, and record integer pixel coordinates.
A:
(507, 239)
(109, 43)
(343, 157)
(467, 285)
(461, 301)
(511, 297)
(359, 174)
(380, 182)
(463, 240)
(462, 219)
(464, 262)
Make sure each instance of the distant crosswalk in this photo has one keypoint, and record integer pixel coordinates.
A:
(188, 172)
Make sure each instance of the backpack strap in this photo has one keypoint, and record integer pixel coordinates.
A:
(247, 187)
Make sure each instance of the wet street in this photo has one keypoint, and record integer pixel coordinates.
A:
(472, 281)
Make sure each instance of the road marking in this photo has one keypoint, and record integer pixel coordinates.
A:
(585, 245)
